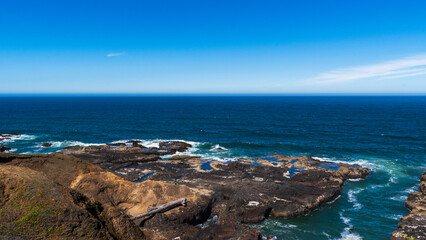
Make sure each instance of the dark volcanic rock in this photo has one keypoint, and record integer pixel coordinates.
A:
(235, 193)
(118, 157)
(252, 192)
(243, 191)
(46, 145)
(4, 148)
(174, 146)
(413, 226)
(135, 144)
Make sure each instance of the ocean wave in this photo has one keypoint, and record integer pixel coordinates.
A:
(352, 198)
(217, 147)
(392, 169)
(202, 150)
(411, 189)
(399, 198)
(361, 162)
(203, 156)
(21, 137)
(194, 150)
(347, 233)
(156, 142)
(332, 201)
(355, 179)
(266, 238)
(67, 143)
(276, 224)
(11, 150)
(396, 217)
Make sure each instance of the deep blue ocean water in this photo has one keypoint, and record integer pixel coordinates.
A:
(386, 134)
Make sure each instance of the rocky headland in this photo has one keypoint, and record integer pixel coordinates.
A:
(92, 192)
(413, 226)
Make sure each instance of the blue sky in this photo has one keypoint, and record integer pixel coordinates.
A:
(209, 47)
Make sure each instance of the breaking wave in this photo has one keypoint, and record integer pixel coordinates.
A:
(21, 137)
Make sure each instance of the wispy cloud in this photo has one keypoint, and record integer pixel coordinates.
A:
(399, 68)
(116, 54)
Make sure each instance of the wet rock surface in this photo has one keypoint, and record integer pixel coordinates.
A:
(4, 148)
(413, 226)
(7, 136)
(46, 145)
(239, 192)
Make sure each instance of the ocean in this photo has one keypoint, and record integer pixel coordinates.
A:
(384, 133)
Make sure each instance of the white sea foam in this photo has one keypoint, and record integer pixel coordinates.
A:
(67, 143)
(355, 179)
(276, 224)
(156, 142)
(217, 147)
(399, 198)
(411, 189)
(352, 198)
(273, 238)
(219, 159)
(332, 201)
(12, 150)
(361, 162)
(346, 220)
(394, 216)
(215, 155)
(379, 186)
(326, 234)
(391, 167)
(21, 137)
(347, 233)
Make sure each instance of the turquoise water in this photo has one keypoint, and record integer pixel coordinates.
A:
(386, 134)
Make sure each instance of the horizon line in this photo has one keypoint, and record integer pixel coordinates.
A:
(201, 94)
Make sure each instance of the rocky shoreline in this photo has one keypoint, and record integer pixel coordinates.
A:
(100, 187)
(6, 137)
(413, 226)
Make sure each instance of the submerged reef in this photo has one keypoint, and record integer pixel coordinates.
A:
(92, 192)
(413, 226)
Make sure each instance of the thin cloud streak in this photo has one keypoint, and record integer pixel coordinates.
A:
(417, 73)
(405, 67)
(115, 54)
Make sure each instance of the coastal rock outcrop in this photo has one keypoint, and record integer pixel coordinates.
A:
(102, 201)
(34, 207)
(244, 191)
(4, 148)
(413, 226)
(37, 201)
(46, 144)
(107, 185)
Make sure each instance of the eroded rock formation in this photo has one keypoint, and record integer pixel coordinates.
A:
(239, 192)
(94, 193)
